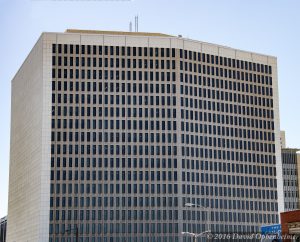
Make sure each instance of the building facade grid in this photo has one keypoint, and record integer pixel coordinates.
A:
(141, 126)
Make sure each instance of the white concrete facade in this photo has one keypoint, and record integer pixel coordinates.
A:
(29, 178)
(29, 185)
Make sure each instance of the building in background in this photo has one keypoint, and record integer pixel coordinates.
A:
(3, 226)
(291, 176)
(282, 139)
(139, 137)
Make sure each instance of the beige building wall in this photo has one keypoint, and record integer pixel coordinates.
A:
(28, 205)
(279, 171)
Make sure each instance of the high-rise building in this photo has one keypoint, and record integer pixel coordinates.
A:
(116, 135)
(291, 178)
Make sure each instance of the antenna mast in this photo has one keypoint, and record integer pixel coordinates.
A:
(136, 23)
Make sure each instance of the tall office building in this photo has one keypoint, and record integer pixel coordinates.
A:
(113, 133)
(291, 178)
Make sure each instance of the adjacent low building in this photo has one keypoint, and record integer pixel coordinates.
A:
(290, 168)
(290, 175)
(290, 224)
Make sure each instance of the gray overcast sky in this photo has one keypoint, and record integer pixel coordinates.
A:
(265, 26)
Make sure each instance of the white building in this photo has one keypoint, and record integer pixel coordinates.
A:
(114, 132)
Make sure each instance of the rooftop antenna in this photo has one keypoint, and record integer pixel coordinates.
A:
(130, 26)
(136, 23)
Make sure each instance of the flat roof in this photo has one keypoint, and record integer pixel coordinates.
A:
(293, 211)
(80, 31)
(272, 59)
(290, 149)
